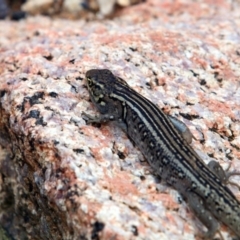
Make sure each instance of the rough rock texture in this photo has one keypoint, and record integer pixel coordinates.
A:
(62, 179)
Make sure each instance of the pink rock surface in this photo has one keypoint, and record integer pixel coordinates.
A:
(77, 181)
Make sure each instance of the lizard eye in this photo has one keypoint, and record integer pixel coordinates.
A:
(90, 82)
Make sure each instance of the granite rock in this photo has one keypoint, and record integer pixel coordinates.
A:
(63, 179)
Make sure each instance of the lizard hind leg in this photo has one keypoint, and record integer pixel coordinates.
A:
(196, 204)
(223, 175)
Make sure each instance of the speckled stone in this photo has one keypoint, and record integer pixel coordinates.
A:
(69, 180)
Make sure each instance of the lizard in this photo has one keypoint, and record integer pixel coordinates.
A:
(160, 139)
